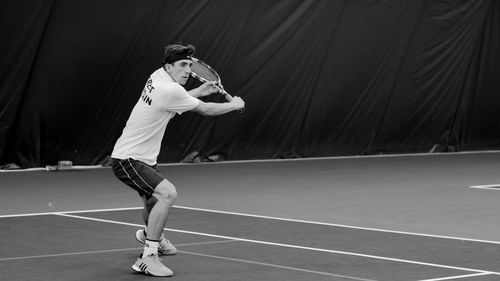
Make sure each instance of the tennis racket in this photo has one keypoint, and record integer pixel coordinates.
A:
(204, 73)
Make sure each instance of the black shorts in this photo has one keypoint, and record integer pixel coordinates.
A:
(142, 177)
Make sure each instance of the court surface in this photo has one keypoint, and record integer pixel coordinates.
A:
(406, 217)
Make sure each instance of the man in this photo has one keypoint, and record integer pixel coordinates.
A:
(135, 152)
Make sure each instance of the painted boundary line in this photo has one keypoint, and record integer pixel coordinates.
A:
(292, 246)
(339, 157)
(341, 225)
(279, 160)
(458, 277)
(226, 239)
(105, 251)
(191, 253)
(487, 186)
(261, 217)
(279, 266)
(69, 212)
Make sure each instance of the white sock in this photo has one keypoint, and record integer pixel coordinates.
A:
(146, 235)
(150, 247)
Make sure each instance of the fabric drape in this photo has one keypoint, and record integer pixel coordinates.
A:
(319, 77)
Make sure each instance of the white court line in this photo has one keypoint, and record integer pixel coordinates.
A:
(337, 157)
(293, 246)
(487, 186)
(457, 277)
(340, 225)
(191, 253)
(105, 251)
(283, 160)
(263, 217)
(67, 254)
(279, 266)
(69, 212)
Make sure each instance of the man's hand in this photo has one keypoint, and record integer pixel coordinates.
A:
(208, 88)
(238, 103)
(205, 89)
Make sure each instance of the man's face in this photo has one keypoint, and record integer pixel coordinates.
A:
(180, 70)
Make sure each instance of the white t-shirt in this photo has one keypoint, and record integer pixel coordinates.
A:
(160, 100)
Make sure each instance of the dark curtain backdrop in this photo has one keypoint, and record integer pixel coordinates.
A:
(319, 77)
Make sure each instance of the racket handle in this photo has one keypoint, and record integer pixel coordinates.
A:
(229, 98)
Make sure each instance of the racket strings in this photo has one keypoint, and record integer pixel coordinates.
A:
(204, 72)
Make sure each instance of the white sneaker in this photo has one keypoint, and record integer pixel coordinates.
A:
(164, 248)
(151, 265)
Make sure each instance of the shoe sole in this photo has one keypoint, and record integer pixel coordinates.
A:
(138, 270)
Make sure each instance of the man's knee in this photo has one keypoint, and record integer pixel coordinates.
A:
(166, 192)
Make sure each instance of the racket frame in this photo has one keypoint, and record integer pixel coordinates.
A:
(218, 82)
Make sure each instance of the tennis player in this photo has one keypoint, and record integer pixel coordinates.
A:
(135, 152)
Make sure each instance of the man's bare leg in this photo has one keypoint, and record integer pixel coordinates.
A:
(157, 212)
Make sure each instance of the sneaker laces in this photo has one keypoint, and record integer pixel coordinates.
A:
(165, 243)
